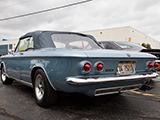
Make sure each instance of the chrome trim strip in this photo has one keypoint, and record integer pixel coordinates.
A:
(17, 57)
(21, 81)
(83, 81)
(157, 60)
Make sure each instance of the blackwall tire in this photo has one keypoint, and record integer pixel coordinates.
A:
(45, 95)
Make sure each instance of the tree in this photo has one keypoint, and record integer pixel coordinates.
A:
(143, 44)
(148, 46)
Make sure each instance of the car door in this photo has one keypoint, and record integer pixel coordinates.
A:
(14, 62)
(26, 52)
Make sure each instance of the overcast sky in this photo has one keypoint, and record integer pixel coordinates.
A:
(143, 15)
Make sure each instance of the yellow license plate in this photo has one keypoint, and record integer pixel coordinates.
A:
(126, 67)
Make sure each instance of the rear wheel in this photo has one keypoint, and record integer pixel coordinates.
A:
(44, 94)
(5, 80)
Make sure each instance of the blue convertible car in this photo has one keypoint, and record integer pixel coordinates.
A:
(51, 61)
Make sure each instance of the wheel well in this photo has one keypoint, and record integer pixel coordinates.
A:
(33, 72)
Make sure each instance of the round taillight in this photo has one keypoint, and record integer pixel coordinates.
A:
(156, 65)
(150, 65)
(87, 67)
(100, 67)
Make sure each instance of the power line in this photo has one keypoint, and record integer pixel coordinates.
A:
(15, 4)
(42, 11)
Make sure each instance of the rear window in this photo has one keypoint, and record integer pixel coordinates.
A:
(73, 41)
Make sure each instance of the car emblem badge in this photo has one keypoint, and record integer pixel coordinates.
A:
(128, 55)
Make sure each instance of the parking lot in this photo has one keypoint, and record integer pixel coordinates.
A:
(17, 103)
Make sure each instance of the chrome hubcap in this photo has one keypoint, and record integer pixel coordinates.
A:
(39, 87)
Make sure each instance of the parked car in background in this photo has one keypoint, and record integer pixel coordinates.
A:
(130, 46)
(121, 45)
(51, 62)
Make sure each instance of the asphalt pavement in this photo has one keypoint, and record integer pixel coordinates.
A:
(17, 103)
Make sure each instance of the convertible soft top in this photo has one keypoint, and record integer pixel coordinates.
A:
(42, 39)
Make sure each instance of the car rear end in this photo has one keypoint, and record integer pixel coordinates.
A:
(108, 75)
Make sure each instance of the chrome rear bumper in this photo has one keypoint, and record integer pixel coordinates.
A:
(87, 81)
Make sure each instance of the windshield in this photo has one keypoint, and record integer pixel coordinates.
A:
(73, 41)
(129, 45)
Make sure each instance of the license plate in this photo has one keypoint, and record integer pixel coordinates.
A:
(126, 67)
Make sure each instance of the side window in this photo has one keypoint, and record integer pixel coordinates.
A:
(79, 45)
(59, 44)
(31, 46)
(25, 44)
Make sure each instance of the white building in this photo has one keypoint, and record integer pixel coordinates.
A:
(6, 46)
(124, 34)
